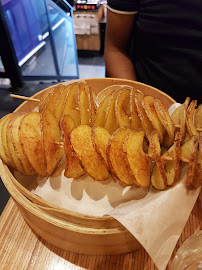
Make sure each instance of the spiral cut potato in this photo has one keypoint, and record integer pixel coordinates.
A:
(129, 136)
(30, 142)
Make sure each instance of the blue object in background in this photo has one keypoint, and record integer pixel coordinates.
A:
(43, 38)
(24, 26)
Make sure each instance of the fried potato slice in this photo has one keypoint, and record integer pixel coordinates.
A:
(186, 154)
(8, 138)
(101, 112)
(148, 105)
(155, 147)
(76, 116)
(156, 179)
(186, 137)
(170, 173)
(54, 97)
(198, 117)
(59, 107)
(72, 104)
(32, 143)
(122, 108)
(190, 118)
(110, 122)
(72, 98)
(176, 115)
(139, 163)
(51, 137)
(100, 139)
(110, 90)
(179, 117)
(172, 168)
(197, 179)
(146, 123)
(192, 166)
(136, 123)
(9, 160)
(3, 139)
(166, 121)
(158, 176)
(186, 103)
(17, 164)
(115, 157)
(81, 141)
(106, 92)
(84, 104)
(46, 96)
(73, 168)
(93, 107)
(15, 137)
(186, 148)
(183, 122)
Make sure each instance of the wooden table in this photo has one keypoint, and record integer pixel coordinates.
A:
(21, 248)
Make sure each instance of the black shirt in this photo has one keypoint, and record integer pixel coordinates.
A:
(167, 44)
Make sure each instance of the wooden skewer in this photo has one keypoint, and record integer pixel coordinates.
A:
(170, 159)
(185, 160)
(177, 126)
(24, 98)
(61, 144)
(38, 100)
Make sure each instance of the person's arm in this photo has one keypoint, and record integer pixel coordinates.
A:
(118, 34)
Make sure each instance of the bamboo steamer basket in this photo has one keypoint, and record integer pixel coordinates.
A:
(66, 229)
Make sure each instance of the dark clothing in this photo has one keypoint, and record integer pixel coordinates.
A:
(167, 45)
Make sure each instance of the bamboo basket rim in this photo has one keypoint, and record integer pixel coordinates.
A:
(42, 202)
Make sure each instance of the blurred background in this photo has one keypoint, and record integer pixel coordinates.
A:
(45, 42)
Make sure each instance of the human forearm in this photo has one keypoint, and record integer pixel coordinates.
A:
(118, 64)
(117, 42)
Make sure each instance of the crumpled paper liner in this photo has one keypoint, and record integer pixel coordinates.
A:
(158, 220)
(84, 195)
(155, 218)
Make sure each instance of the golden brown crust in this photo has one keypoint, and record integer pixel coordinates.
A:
(158, 177)
(166, 121)
(115, 156)
(73, 168)
(80, 139)
(100, 139)
(31, 141)
(191, 167)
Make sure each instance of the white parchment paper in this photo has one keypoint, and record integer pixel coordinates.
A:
(158, 219)
(86, 196)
